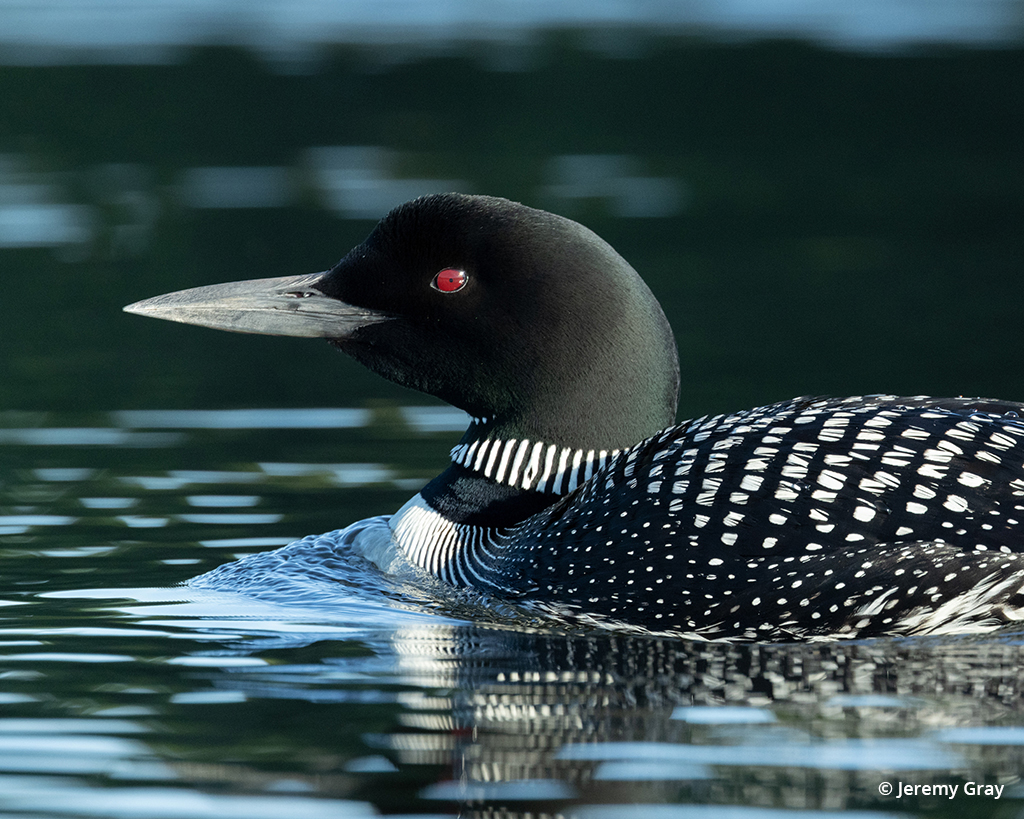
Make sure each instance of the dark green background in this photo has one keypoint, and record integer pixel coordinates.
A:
(855, 222)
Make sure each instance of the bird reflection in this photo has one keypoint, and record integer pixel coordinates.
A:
(539, 722)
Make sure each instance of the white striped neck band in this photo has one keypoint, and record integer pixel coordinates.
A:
(533, 465)
(459, 554)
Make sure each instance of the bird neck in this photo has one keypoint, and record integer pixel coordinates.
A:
(461, 554)
(531, 465)
(492, 484)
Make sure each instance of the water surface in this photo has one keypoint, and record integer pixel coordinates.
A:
(125, 693)
(814, 220)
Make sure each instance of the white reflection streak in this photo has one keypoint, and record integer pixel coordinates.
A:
(88, 436)
(843, 755)
(311, 418)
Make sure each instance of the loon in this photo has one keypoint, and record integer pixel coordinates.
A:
(573, 490)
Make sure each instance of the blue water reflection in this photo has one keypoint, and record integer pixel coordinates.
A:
(87, 436)
(462, 700)
(121, 32)
(252, 418)
(845, 755)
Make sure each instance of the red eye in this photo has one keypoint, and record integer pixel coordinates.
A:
(449, 280)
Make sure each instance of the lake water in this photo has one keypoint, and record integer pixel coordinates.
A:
(814, 221)
(126, 693)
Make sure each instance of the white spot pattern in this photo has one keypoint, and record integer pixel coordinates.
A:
(891, 516)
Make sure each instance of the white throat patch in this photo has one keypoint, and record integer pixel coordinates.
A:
(459, 554)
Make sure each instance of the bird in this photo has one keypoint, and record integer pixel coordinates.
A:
(575, 493)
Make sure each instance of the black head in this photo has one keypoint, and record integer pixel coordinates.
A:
(510, 313)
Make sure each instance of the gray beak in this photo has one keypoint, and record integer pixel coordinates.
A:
(285, 306)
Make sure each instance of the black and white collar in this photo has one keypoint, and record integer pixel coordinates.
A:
(530, 465)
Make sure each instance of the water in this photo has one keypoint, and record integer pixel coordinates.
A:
(125, 692)
(814, 222)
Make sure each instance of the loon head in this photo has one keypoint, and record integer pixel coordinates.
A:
(526, 320)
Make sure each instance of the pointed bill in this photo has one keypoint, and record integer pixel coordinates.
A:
(285, 306)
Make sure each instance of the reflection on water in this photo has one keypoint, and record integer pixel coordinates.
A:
(125, 694)
(616, 179)
(361, 182)
(352, 182)
(153, 32)
(314, 418)
(32, 213)
(758, 204)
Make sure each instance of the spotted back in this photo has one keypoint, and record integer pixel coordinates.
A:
(752, 523)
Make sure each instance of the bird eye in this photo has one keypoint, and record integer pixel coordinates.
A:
(450, 280)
